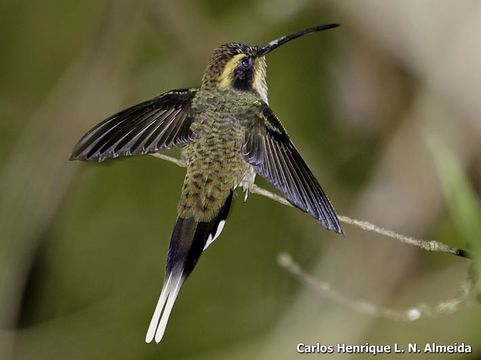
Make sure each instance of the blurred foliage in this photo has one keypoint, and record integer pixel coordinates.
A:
(463, 203)
(83, 246)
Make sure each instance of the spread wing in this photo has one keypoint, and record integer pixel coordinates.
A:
(160, 123)
(272, 154)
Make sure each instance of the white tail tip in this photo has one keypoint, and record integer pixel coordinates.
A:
(167, 297)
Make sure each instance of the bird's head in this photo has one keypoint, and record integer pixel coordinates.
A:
(243, 67)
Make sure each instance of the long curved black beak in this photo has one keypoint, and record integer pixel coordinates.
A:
(282, 40)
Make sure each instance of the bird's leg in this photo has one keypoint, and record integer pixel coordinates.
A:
(248, 181)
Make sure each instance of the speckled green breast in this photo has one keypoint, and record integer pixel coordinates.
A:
(214, 161)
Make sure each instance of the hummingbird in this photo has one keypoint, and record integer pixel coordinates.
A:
(227, 134)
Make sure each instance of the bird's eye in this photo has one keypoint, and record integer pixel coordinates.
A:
(243, 74)
(245, 62)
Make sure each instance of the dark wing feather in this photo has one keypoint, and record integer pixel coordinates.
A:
(272, 154)
(160, 123)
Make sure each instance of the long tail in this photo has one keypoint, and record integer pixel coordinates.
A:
(189, 239)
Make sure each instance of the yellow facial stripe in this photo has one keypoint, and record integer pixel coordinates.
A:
(225, 79)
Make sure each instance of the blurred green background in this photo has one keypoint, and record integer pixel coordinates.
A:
(82, 246)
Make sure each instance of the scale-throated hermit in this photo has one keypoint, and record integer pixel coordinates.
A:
(228, 133)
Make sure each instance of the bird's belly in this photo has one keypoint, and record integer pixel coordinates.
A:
(214, 167)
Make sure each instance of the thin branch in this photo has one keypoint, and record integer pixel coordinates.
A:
(428, 245)
(171, 159)
(266, 193)
(410, 314)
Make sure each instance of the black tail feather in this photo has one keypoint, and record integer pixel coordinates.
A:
(189, 240)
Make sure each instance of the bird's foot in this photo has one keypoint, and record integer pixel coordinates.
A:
(247, 182)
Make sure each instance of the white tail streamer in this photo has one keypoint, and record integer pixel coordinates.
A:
(167, 298)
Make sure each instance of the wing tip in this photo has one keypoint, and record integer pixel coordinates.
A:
(85, 156)
(79, 157)
(76, 154)
(333, 225)
(338, 230)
